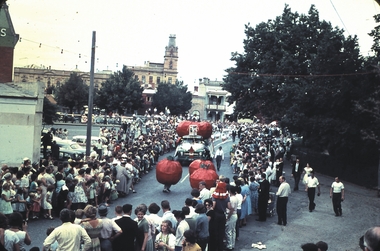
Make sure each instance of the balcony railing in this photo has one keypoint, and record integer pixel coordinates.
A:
(221, 108)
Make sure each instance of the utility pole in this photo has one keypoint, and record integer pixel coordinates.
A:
(90, 96)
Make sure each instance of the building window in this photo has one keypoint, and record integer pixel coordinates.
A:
(170, 80)
(143, 79)
(149, 99)
(136, 77)
(158, 80)
(146, 86)
(150, 79)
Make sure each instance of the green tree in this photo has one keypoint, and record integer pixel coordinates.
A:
(175, 97)
(49, 112)
(121, 92)
(74, 93)
(303, 72)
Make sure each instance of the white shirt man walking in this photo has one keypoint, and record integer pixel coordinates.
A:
(282, 200)
(337, 195)
(219, 156)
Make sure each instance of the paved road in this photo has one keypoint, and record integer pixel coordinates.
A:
(360, 211)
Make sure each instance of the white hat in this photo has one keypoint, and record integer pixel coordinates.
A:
(124, 155)
(115, 162)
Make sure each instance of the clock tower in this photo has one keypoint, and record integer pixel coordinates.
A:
(171, 61)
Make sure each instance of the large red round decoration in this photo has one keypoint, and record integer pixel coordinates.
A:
(204, 128)
(202, 174)
(199, 163)
(168, 171)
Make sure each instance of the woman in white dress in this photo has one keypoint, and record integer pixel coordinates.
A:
(307, 171)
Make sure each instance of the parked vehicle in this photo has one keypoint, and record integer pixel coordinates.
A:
(82, 140)
(70, 145)
(64, 154)
(67, 118)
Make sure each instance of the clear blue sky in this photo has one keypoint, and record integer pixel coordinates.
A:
(131, 32)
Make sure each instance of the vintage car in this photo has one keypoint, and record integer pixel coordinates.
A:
(192, 147)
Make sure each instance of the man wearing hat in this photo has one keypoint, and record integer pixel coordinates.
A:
(126, 241)
(109, 227)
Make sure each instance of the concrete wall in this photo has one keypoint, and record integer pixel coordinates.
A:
(21, 124)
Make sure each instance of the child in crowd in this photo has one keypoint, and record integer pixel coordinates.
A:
(20, 204)
(48, 202)
(92, 193)
(78, 216)
(36, 206)
(33, 185)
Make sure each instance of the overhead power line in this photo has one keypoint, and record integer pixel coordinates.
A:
(339, 17)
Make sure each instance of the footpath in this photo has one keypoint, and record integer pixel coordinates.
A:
(361, 210)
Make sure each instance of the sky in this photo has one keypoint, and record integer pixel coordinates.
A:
(59, 33)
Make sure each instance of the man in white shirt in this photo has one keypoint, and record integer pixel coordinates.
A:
(312, 184)
(68, 235)
(231, 220)
(182, 227)
(204, 192)
(109, 228)
(219, 156)
(282, 200)
(337, 195)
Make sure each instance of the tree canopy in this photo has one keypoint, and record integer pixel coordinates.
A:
(74, 93)
(49, 112)
(301, 71)
(174, 97)
(121, 92)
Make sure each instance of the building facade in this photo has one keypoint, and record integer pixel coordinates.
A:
(56, 78)
(21, 107)
(149, 75)
(209, 101)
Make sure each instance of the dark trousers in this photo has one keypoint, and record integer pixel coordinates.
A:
(218, 162)
(296, 181)
(262, 206)
(238, 212)
(337, 206)
(311, 195)
(220, 225)
(281, 210)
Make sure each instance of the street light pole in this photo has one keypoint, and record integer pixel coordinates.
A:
(90, 95)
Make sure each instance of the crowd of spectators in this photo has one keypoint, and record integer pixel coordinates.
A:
(210, 218)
